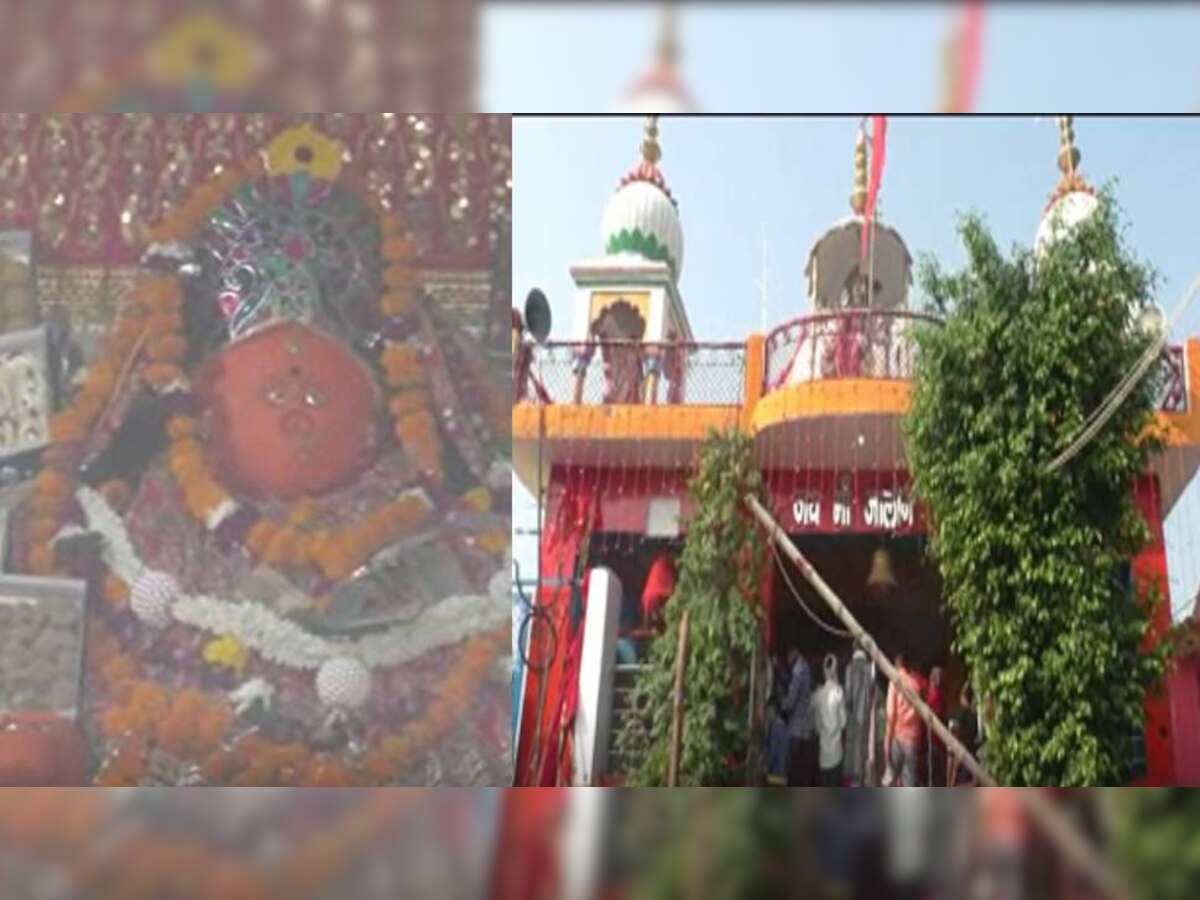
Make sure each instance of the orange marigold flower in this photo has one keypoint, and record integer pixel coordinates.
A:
(118, 720)
(397, 302)
(259, 535)
(278, 547)
(150, 290)
(181, 427)
(56, 456)
(41, 528)
(302, 511)
(164, 323)
(203, 495)
(118, 494)
(161, 374)
(397, 276)
(166, 348)
(402, 403)
(493, 542)
(300, 550)
(391, 224)
(402, 363)
(100, 379)
(399, 249)
(116, 591)
(65, 427)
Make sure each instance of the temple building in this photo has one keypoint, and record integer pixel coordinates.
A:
(255, 500)
(606, 424)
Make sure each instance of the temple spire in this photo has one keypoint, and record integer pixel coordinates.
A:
(858, 199)
(668, 35)
(651, 150)
(1069, 179)
(1068, 154)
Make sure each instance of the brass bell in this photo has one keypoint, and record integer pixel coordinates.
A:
(882, 579)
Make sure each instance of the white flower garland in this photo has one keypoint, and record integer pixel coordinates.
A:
(281, 640)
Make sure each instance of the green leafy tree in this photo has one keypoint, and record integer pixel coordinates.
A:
(1157, 834)
(1032, 562)
(718, 576)
(702, 843)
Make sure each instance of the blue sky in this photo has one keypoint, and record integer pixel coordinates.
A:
(792, 177)
(754, 57)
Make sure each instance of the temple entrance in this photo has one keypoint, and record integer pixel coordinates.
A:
(909, 620)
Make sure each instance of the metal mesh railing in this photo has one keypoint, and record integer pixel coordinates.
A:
(853, 343)
(632, 372)
(1174, 397)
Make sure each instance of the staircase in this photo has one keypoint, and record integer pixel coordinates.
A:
(623, 681)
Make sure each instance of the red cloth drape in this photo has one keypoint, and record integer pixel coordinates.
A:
(660, 584)
(575, 513)
(527, 858)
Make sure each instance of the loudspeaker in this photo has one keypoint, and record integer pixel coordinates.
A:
(537, 315)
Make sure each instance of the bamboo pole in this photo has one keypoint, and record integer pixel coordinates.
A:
(677, 703)
(1053, 822)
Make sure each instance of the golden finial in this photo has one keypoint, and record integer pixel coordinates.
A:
(1068, 155)
(668, 35)
(858, 200)
(651, 151)
(949, 63)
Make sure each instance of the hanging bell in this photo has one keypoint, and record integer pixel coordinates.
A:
(882, 579)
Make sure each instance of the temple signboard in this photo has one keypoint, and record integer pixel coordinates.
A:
(830, 503)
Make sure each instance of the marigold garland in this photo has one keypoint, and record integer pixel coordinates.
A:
(54, 827)
(190, 725)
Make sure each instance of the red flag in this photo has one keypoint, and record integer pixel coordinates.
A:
(967, 56)
(878, 141)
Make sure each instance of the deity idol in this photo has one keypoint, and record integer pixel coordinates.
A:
(286, 483)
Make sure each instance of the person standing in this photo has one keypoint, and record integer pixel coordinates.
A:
(964, 725)
(902, 740)
(860, 691)
(829, 716)
(935, 753)
(797, 706)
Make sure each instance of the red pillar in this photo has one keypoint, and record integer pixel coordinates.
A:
(561, 536)
(1149, 570)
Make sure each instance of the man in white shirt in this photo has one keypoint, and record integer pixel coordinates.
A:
(829, 716)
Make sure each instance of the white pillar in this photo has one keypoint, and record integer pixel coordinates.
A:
(584, 842)
(593, 715)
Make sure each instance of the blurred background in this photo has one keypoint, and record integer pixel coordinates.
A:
(827, 57)
(580, 844)
(422, 55)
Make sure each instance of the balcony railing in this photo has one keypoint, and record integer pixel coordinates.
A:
(631, 372)
(855, 343)
(843, 344)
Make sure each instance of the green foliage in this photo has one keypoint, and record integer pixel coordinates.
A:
(1030, 560)
(728, 844)
(1158, 841)
(718, 576)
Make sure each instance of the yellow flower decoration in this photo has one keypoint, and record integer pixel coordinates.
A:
(304, 149)
(493, 542)
(204, 48)
(478, 499)
(226, 651)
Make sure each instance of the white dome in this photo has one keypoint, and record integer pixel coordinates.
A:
(1062, 215)
(835, 258)
(642, 220)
